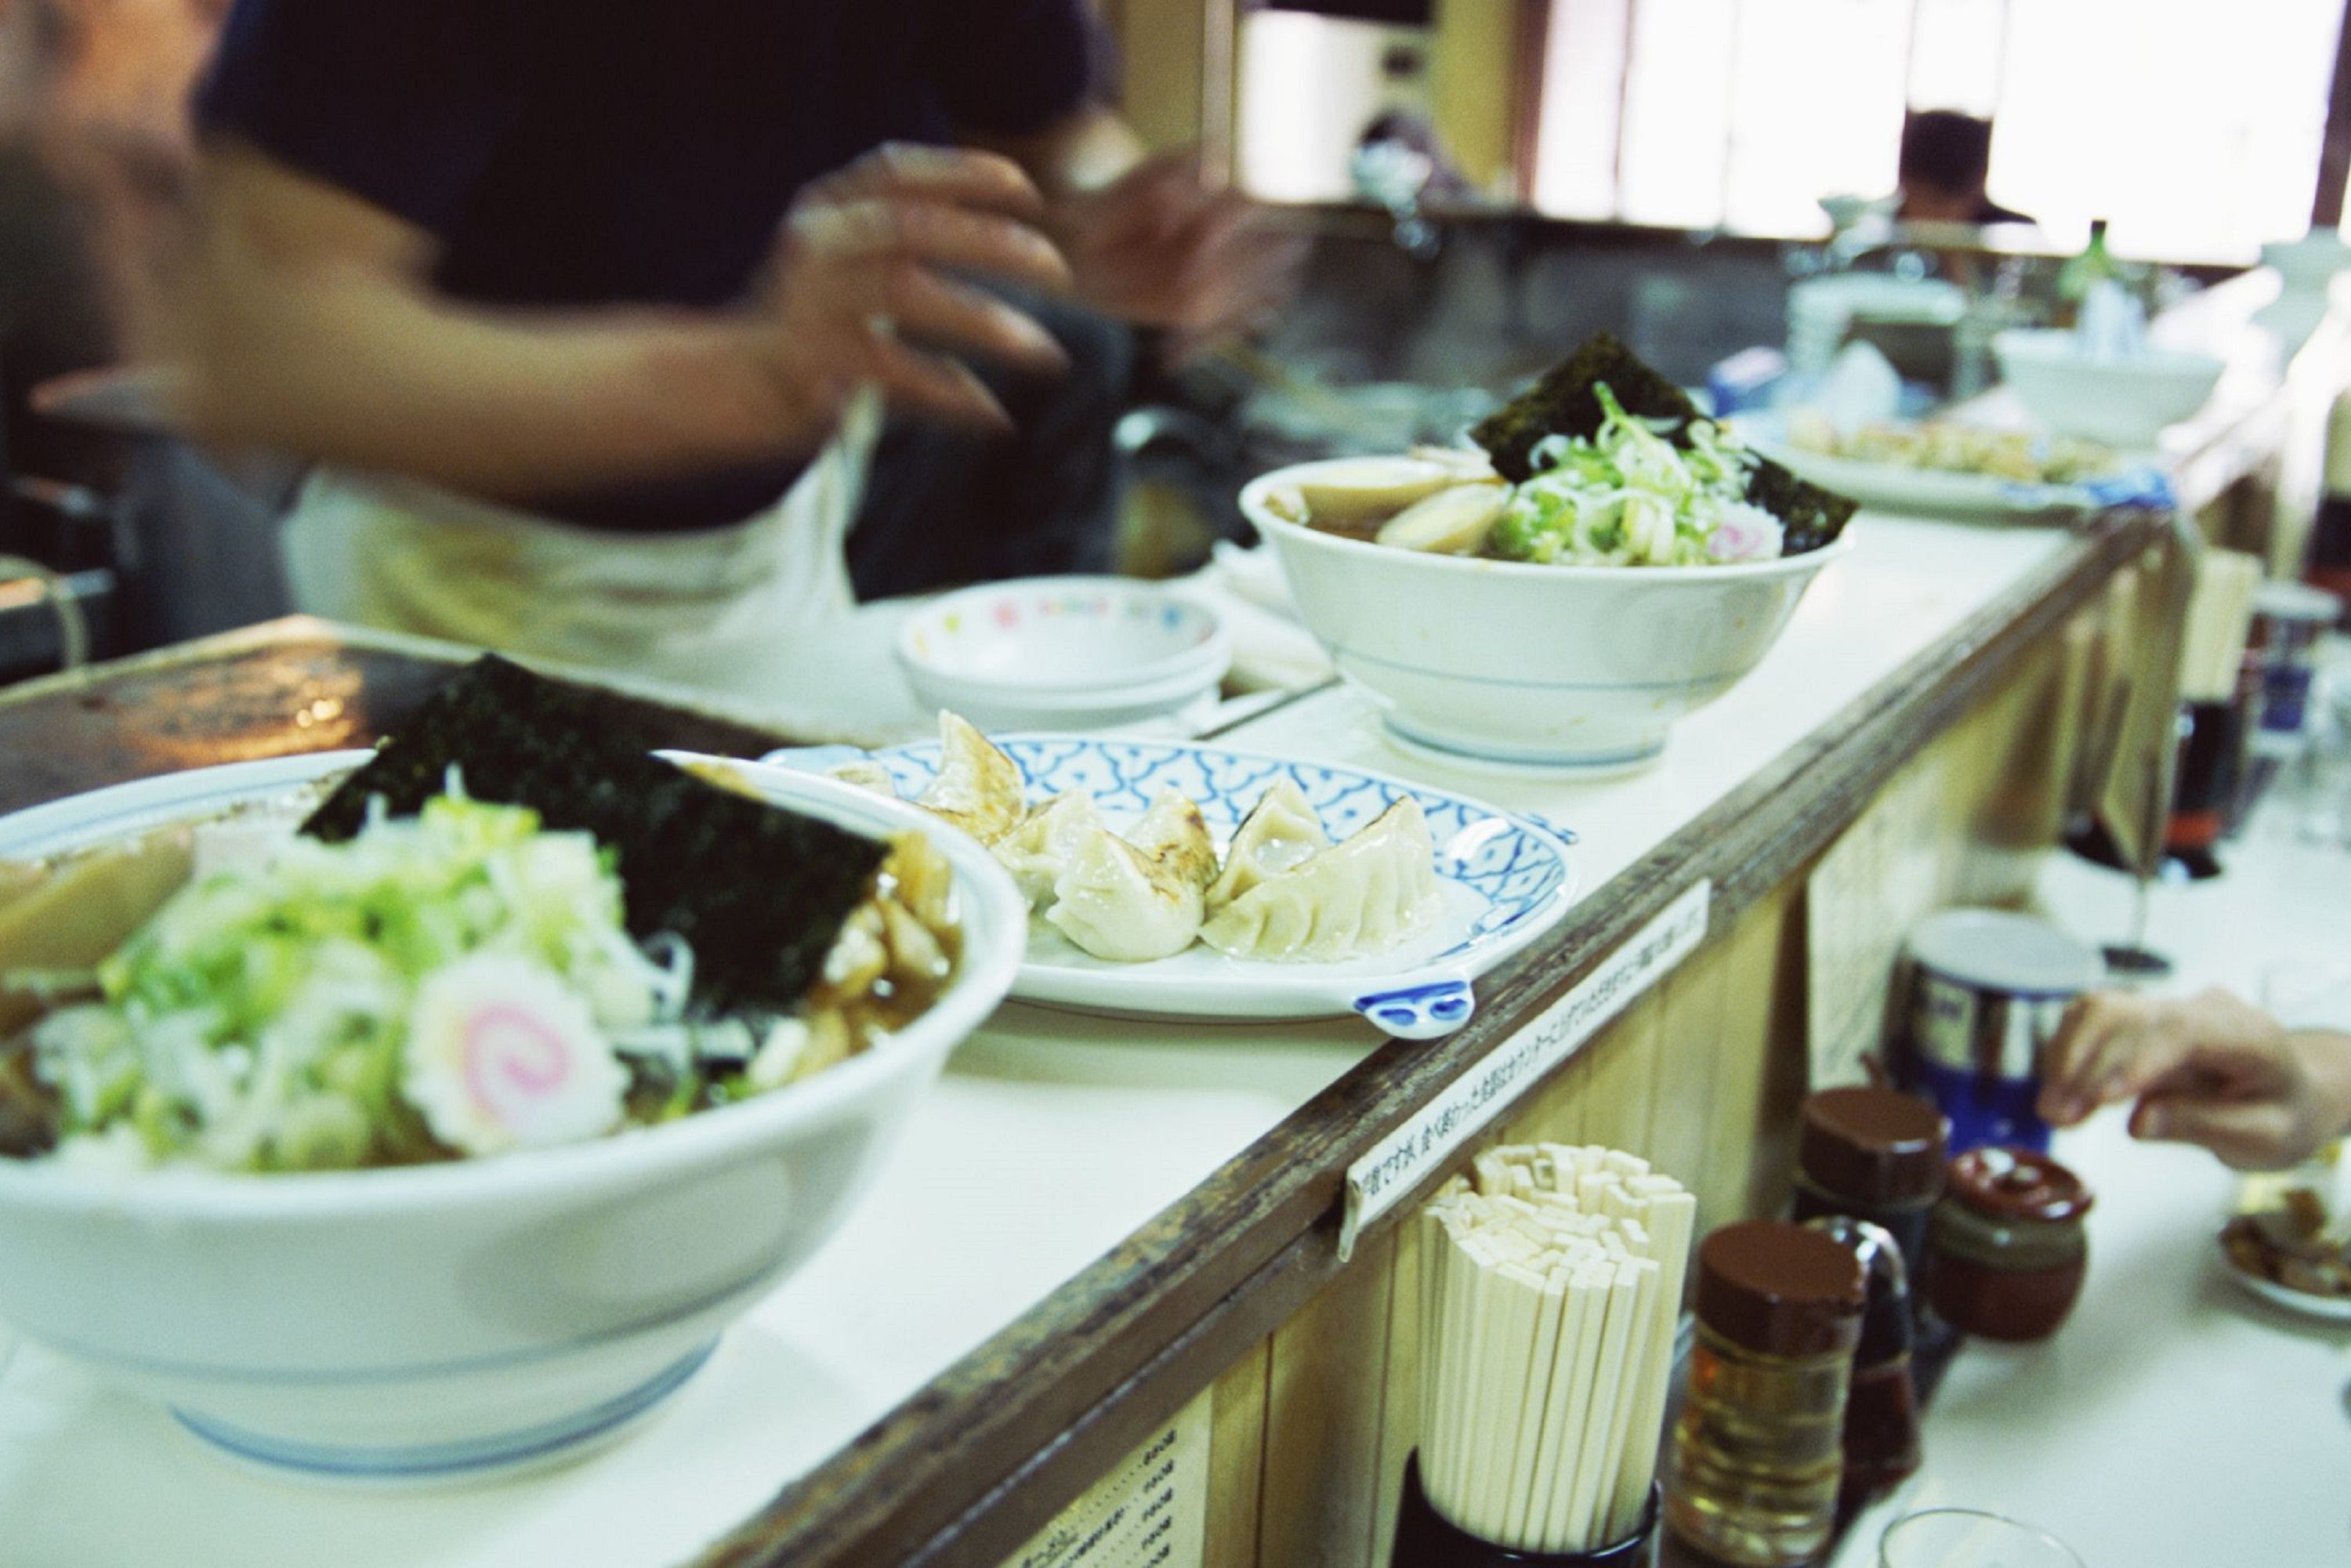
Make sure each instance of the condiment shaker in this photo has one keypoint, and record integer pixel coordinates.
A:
(1881, 1413)
(2007, 1249)
(1759, 1452)
(1876, 1154)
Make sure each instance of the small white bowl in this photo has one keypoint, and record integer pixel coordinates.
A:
(437, 1322)
(1522, 662)
(2310, 261)
(2124, 403)
(1063, 652)
(1075, 711)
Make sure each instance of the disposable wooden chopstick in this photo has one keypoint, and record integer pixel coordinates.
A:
(1492, 1377)
(1672, 1218)
(1570, 1398)
(1436, 1322)
(1498, 1447)
(1609, 1459)
(1591, 1455)
(1510, 1407)
(1469, 1346)
(1447, 1374)
(1527, 1453)
(1488, 1368)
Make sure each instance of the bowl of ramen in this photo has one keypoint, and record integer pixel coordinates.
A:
(422, 1113)
(2126, 401)
(1609, 562)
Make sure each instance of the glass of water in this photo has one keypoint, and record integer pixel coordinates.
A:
(2311, 787)
(1963, 1538)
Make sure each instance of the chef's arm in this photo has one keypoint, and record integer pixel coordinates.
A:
(1085, 150)
(1153, 239)
(303, 318)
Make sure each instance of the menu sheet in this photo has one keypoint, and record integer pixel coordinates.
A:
(1880, 878)
(1151, 1511)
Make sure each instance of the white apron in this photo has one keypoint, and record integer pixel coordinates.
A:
(755, 610)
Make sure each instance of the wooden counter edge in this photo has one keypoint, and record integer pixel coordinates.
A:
(778, 722)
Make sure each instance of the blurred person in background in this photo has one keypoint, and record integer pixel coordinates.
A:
(96, 148)
(2208, 1070)
(1944, 160)
(111, 69)
(565, 294)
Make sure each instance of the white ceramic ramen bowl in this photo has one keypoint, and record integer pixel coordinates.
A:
(2125, 403)
(1063, 652)
(1522, 662)
(440, 1321)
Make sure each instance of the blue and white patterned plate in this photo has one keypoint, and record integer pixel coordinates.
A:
(1504, 880)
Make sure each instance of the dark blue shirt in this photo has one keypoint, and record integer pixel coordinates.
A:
(575, 153)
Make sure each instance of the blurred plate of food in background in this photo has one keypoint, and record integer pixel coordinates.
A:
(2286, 1245)
(1945, 468)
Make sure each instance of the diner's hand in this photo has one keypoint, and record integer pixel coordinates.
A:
(862, 288)
(1158, 247)
(2208, 1070)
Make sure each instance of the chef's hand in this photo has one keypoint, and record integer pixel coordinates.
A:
(1159, 248)
(865, 285)
(2208, 1070)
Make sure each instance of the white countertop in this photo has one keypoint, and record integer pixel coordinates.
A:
(2174, 1419)
(1049, 1139)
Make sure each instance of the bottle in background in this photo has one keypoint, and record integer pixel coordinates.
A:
(2330, 545)
(2095, 265)
(1758, 1454)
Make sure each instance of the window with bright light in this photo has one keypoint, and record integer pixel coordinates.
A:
(1308, 86)
(2193, 128)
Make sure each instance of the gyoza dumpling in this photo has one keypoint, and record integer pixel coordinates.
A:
(1173, 833)
(1117, 903)
(1133, 901)
(1281, 831)
(979, 788)
(1361, 896)
(865, 774)
(1038, 851)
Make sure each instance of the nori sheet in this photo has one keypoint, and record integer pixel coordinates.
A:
(1810, 516)
(1562, 402)
(758, 891)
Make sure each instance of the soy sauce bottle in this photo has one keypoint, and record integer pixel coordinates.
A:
(1876, 1154)
(1758, 1455)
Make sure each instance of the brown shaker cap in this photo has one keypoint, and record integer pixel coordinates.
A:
(2017, 1183)
(1780, 1289)
(1874, 1147)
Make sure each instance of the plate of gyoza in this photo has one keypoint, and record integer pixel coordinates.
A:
(1175, 879)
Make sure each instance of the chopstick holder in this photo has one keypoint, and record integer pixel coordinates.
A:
(1551, 1284)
